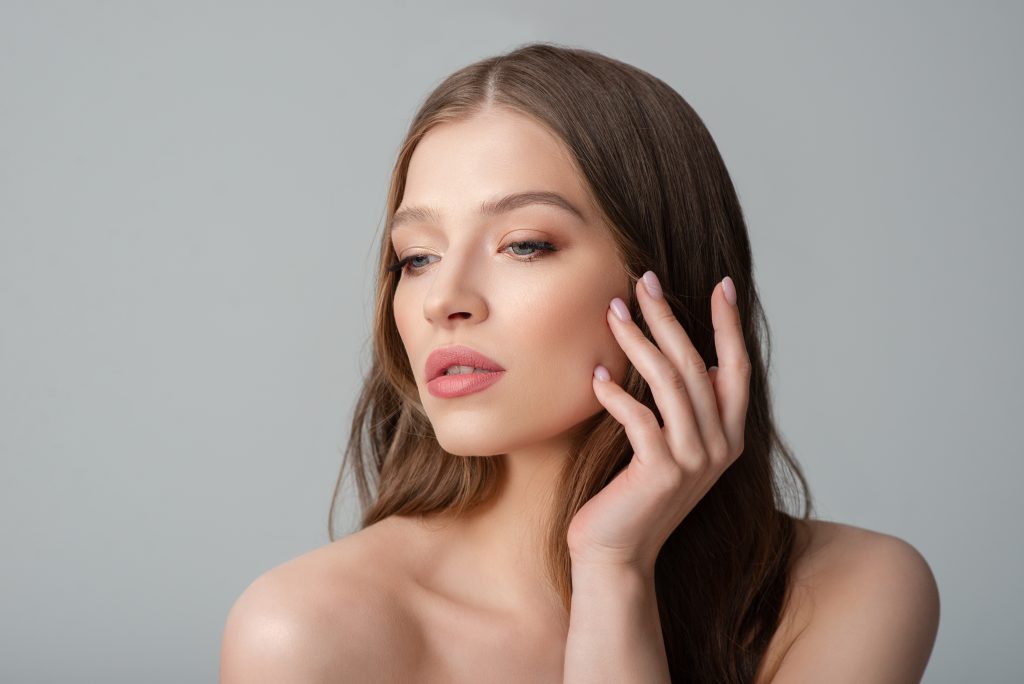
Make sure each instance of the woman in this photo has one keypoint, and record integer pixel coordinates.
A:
(570, 463)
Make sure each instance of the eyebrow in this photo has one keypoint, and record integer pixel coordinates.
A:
(494, 207)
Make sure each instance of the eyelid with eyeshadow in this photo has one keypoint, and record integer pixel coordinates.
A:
(544, 247)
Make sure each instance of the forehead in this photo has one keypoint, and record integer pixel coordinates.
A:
(458, 166)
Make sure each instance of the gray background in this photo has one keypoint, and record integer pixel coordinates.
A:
(191, 196)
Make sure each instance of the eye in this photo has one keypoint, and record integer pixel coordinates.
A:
(401, 265)
(405, 265)
(540, 245)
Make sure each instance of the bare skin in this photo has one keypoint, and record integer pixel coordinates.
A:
(544, 320)
(467, 600)
(432, 622)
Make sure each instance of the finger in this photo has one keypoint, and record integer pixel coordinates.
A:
(668, 388)
(675, 344)
(732, 384)
(641, 426)
(712, 374)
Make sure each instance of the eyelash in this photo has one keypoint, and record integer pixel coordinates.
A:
(541, 245)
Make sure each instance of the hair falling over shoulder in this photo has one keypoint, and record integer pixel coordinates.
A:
(722, 577)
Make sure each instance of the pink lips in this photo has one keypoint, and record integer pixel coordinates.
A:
(447, 386)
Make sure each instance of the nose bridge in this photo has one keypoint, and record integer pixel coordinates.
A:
(455, 283)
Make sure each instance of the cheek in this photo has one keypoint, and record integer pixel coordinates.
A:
(406, 311)
(578, 337)
(404, 323)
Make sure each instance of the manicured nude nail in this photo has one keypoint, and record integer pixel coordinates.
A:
(619, 307)
(652, 284)
(730, 290)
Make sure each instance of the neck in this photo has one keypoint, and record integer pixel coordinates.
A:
(495, 554)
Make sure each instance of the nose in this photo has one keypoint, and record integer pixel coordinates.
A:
(455, 291)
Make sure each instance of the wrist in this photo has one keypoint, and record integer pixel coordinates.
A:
(592, 572)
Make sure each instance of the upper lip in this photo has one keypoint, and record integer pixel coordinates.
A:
(457, 355)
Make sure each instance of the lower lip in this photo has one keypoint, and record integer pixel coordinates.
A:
(448, 386)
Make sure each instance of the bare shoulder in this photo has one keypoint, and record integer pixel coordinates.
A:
(863, 603)
(328, 615)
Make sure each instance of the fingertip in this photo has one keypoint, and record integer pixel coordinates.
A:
(729, 288)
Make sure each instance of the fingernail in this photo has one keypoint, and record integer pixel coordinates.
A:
(619, 307)
(730, 290)
(601, 373)
(652, 284)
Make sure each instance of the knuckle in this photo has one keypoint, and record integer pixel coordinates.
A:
(694, 361)
(718, 450)
(692, 458)
(674, 380)
(644, 417)
(664, 314)
(693, 464)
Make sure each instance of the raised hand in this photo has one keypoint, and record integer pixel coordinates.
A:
(674, 466)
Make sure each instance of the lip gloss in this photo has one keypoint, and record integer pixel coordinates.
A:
(451, 386)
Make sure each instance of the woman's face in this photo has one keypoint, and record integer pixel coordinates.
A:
(543, 320)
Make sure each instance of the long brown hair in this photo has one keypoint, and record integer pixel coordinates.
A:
(657, 175)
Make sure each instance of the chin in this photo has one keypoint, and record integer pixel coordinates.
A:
(464, 444)
(476, 433)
